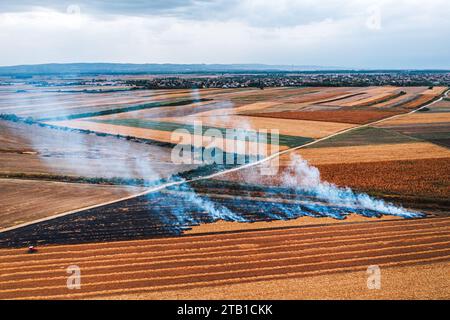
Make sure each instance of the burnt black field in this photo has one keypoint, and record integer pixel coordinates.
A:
(174, 210)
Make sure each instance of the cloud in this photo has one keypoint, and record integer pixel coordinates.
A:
(100, 6)
(408, 33)
(262, 13)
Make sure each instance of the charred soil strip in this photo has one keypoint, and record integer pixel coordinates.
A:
(158, 215)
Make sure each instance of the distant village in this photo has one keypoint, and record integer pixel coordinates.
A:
(266, 80)
(296, 80)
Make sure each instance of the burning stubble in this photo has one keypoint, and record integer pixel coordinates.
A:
(308, 194)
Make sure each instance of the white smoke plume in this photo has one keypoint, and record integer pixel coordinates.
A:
(215, 210)
(302, 176)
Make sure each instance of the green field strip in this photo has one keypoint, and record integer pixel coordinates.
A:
(439, 138)
(285, 140)
(428, 132)
(125, 109)
(439, 110)
(431, 135)
(364, 137)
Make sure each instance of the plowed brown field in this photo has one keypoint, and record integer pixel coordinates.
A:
(423, 184)
(215, 260)
(420, 178)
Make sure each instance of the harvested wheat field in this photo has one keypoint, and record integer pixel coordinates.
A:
(224, 226)
(163, 268)
(428, 281)
(310, 129)
(23, 201)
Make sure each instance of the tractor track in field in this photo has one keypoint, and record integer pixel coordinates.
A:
(210, 260)
(256, 163)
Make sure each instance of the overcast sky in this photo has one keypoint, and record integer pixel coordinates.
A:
(342, 33)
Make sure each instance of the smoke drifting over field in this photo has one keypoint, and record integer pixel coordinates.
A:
(84, 155)
(304, 177)
(302, 192)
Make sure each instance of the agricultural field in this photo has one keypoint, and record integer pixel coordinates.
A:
(87, 176)
(47, 198)
(341, 116)
(32, 150)
(421, 182)
(427, 126)
(256, 264)
(441, 106)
